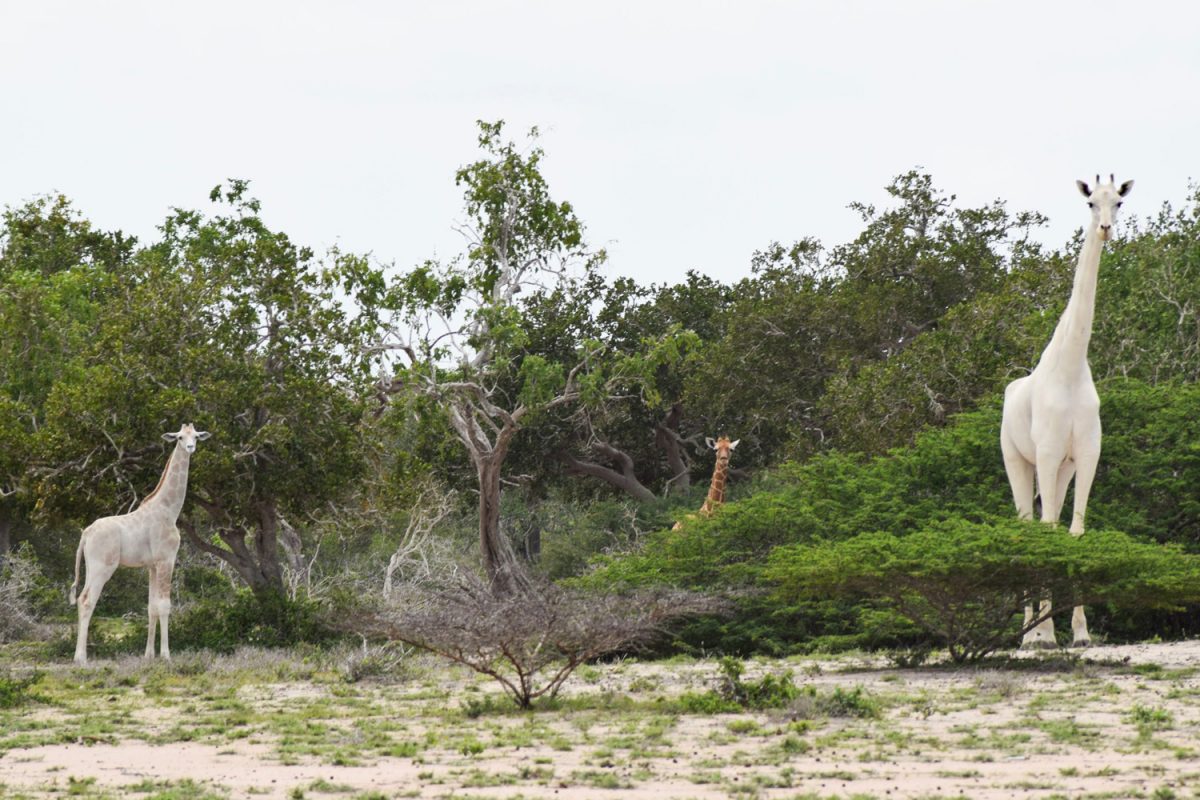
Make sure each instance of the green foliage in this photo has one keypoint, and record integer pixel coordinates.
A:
(775, 691)
(813, 319)
(769, 691)
(950, 471)
(16, 692)
(965, 583)
(249, 620)
(952, 475)
(222, 322)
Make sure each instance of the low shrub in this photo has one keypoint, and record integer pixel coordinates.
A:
(532, 638)
(223, 624)
(20, 582)
(16, 691)
(770, 691)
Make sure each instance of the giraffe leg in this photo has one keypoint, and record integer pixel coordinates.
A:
(1065, 473)
(163, 581)
(1050, 467)
(1020, 479)
(152, 613)
(1085, 464)
(96, 578)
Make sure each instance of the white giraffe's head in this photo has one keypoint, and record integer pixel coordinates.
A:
(1104, 199)
(187, 437)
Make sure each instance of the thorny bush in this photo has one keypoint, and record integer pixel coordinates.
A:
(530, 639)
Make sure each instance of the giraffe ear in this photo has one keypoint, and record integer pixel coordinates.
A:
(1125, 187)
(170, 437)
(202, 435)
(708, 440)
(1083, 189)
(734, 444)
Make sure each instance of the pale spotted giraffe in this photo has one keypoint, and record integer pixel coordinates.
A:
(145, 537)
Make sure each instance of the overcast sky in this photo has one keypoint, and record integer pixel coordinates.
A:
(686, 134)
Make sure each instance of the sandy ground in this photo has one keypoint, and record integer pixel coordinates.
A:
(1122, 722)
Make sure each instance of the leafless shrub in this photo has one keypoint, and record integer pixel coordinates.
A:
(18, 578)
(532, 638)
(1002, 684)
(411, 561)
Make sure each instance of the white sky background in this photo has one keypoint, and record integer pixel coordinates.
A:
(686, 134)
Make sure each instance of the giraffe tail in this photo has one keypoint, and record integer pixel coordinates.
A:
(78, 555)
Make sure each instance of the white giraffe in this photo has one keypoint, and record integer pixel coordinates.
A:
(1051, 424)
(145, 537)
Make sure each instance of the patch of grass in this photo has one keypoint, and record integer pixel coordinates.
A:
(745, 727)
(1068, 731)
(322, 786)
(1151, 718)
(16, 692)
(186, 789)
(601, 780)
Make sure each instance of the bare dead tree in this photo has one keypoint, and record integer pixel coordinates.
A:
(411, 556)
(18, 581)
(674, 447)
(531, 640)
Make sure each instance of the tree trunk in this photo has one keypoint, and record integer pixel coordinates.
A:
(667, 438)
(260, 569)
(499, 562)
(6, 526)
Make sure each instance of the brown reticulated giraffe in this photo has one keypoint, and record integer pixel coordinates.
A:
(716, 490)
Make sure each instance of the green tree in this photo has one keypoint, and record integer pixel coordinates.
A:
(229, 324)
(468, 338)
(56, 272)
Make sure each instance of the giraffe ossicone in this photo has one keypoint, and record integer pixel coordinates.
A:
(716, 489)
(145, 537)
(1050, 429)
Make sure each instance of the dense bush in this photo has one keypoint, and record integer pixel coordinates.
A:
(1145, 486)
(241, 619)
(966, 584)
(951, 471)
(16, 691)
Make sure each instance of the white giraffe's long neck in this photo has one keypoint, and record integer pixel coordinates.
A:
(1074, 331)
(172, 487)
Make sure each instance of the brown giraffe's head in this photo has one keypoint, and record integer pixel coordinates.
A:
(187, 437)
(723, 447)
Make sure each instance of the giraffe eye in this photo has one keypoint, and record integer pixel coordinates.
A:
(1120, 203)
(1091, 204)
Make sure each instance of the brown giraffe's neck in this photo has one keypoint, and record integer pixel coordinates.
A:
(716, 492)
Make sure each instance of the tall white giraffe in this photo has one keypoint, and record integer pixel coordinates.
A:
(145, 537)
(1051, 424)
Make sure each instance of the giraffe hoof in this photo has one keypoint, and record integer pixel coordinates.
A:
(1081, 643)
